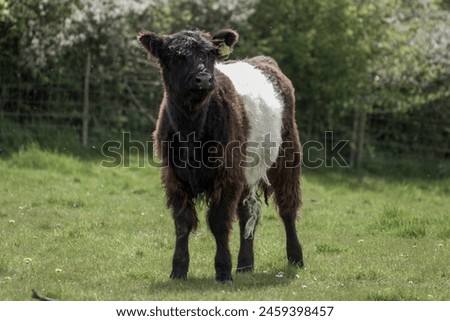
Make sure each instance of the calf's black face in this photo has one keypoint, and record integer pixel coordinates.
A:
(187, 61)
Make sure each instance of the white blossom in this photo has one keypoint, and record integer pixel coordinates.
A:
(46, 39)
(104, 24)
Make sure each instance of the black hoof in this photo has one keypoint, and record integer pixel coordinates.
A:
(224, 278)
(297, 262)
(177, 275)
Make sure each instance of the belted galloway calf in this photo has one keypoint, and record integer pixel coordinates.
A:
(226, 133)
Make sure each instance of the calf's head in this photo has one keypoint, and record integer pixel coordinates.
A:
(187, 60)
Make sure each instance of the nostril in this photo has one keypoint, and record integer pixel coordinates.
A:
(203, 80)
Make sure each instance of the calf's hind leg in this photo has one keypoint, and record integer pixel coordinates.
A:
(293, 247)
(285, 183)
(246, 256)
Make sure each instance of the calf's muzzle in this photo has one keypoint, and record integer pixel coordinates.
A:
(203, 81)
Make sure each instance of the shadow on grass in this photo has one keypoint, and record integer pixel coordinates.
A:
(242, 281)
(423, 172)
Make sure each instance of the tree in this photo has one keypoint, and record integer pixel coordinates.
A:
(412, 74)
(318, 45)
(351, 58)
(413, 55)
(90, 33)
(208, 15)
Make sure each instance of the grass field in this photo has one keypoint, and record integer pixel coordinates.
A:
(74, 230)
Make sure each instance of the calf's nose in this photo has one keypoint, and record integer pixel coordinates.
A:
(203, 81)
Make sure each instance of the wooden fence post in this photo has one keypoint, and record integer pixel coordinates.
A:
(357, 145)
(85, 121)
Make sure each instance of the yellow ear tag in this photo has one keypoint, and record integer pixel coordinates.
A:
(224, 51)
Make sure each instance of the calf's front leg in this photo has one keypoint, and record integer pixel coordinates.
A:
(218, 223)
(219, 220)
(185, 218)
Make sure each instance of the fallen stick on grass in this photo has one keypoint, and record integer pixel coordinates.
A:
(39, 297)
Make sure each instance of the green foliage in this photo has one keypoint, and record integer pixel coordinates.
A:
(345, 58)
(33, 157)
(410, 65)
(318, 45)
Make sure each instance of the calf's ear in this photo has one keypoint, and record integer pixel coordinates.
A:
(225, 39)
(151, 42)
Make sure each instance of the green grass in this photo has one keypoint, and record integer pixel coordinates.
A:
(74, 230)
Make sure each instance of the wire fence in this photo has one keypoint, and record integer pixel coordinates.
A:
(52, 116)
(50, 108)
